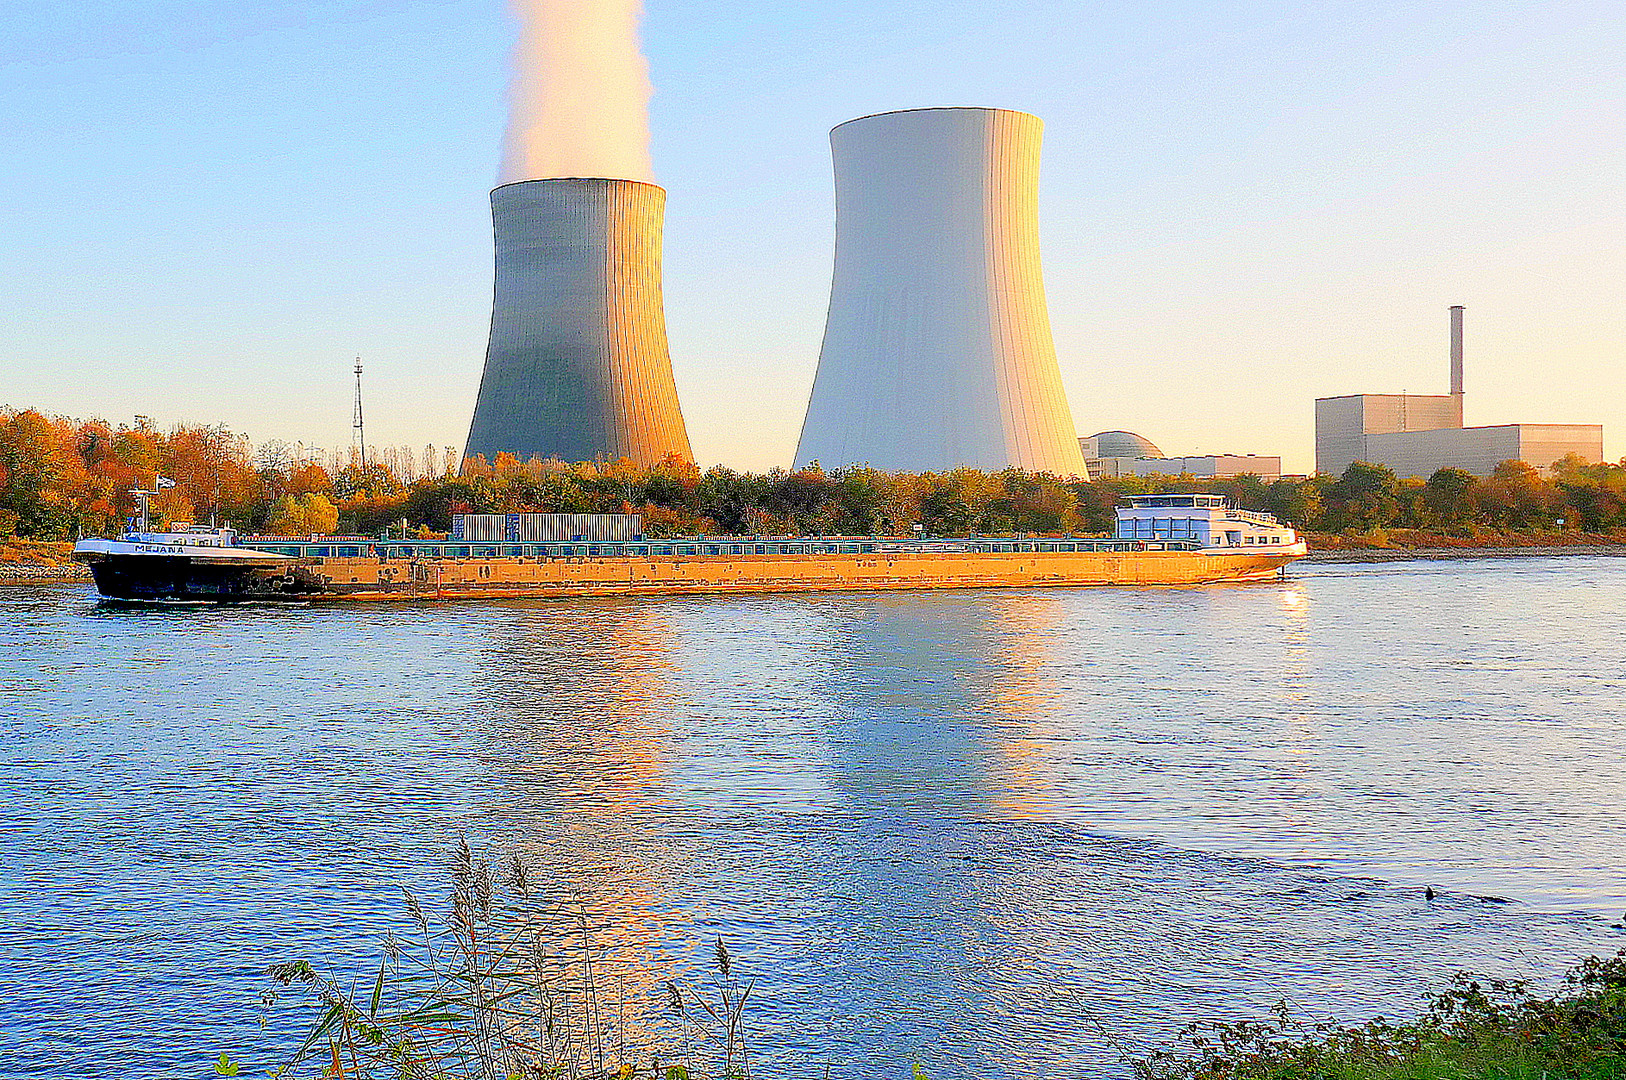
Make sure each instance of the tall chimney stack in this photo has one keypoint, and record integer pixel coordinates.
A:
(1456, 349)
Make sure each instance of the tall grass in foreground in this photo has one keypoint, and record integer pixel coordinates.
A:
(506, 984)
(488, 990)
(1476, 1029)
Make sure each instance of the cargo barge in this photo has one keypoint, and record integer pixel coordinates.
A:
(1160, 540)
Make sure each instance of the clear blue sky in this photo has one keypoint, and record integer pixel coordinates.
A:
(207, 208)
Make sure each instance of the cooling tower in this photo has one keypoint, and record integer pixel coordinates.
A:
(938, 352)
(578, 367)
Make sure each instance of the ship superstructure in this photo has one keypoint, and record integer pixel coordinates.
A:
(1205, 521)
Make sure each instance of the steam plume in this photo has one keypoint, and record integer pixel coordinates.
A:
(580, 97)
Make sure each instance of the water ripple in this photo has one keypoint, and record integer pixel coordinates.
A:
(959, 828)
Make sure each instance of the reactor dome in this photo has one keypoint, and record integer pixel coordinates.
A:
(1119, 444)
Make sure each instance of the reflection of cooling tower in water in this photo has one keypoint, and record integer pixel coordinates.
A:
(938, 350)
(578, 367)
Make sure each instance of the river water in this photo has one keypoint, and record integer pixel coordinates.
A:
(966, 829)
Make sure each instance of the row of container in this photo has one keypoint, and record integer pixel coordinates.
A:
(546, 528)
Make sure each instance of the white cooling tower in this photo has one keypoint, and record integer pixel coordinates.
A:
(578, 367)
(938, 351)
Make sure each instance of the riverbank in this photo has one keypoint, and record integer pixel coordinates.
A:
(1474, 1029)
(40, 562)
(1386, 545)
(1373, 555)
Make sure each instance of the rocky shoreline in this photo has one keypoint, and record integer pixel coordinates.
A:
(1371, 555)
(43, 573)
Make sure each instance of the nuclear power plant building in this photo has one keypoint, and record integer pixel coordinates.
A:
(938, 350)
(578, 367)
(1419, 434)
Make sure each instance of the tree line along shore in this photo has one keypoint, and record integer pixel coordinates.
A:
(62, 478)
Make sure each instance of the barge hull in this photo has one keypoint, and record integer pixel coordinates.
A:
(179, 579)
(510, 578)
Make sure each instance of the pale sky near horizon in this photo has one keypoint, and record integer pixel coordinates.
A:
(208, 209)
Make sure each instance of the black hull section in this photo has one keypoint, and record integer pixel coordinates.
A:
(145, 579)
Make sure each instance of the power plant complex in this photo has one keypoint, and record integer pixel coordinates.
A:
(578, 367)
(937, 350)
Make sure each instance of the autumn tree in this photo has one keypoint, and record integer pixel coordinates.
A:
(301, 515)
(1366, 497)
(1450, 496)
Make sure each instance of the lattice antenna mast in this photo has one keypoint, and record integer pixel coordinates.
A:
(356, 421)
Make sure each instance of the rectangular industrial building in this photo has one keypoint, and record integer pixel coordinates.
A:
(1419, 434)
(1208, 466)
(1480, 449)
(1342, 424)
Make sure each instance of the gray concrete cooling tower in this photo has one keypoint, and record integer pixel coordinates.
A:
(578, 367)
(938, 352)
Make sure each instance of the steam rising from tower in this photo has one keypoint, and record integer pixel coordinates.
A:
(938, 351)
(578, 367)
(579, 102)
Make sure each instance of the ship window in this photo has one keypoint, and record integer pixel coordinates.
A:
(513, 551)
(711, 549)
(736, 549)
(663, 550)
(641, 551)
(761, 549)
(1067, 547)
(461, 552)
